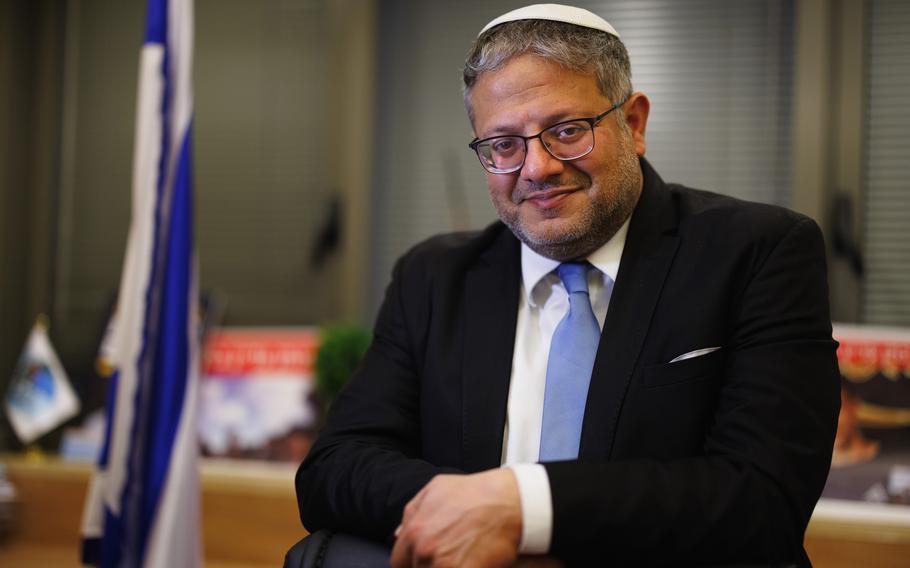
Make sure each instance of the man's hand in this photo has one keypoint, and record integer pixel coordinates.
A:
(461, 520)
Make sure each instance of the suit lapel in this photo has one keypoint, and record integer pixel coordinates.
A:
(491, 312)
(650, 247)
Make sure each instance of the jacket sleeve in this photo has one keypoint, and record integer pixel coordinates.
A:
(365, 466)
(766, 456)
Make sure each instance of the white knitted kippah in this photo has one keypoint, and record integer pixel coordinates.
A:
(556, 13)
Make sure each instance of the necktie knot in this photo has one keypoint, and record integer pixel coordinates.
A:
(574, 276)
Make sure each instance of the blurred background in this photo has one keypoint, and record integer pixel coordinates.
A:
(330, 136)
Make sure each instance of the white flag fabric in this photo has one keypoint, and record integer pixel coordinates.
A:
(39, 397)
(143, 504)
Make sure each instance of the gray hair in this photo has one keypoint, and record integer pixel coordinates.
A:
(573, 47)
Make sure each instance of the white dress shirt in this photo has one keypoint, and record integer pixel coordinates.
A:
(542, 305)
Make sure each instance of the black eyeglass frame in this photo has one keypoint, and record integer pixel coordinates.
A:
(592, 121)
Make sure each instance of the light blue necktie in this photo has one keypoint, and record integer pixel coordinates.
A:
(572, 352)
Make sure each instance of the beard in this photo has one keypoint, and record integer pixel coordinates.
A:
(609, 204)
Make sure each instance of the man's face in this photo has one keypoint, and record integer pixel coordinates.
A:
(562, 210)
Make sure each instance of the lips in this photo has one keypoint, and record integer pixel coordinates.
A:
(548, 198)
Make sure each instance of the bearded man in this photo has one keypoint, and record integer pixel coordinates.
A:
(620, 369)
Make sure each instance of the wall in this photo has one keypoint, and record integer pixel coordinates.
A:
(30, 72)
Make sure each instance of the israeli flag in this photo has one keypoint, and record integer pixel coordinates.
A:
(143, 502)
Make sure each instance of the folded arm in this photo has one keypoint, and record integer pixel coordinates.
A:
(366, 465)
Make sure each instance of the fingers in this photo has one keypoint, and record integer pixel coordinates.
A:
(460, 521)
(403, 553)
(414, 547)
(410, 510)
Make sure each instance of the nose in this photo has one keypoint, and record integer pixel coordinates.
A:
(539, 163)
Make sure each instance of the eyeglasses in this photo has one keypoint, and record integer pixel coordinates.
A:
(564, 141)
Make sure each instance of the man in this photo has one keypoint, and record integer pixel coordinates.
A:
(696, 428)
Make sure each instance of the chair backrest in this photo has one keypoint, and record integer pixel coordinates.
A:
(325, 549)
(308, 552)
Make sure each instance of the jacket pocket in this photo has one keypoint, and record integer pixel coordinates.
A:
(693, 369)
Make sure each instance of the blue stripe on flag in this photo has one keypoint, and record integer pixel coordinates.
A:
(130, 528)
(91, 551)
(156, 22)
(112, 544)
(108, 420)
(140, 497)
(169, 377)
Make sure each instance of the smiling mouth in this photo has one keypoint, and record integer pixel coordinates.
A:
(548, 198)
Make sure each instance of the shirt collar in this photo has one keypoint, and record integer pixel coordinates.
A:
(534, 267)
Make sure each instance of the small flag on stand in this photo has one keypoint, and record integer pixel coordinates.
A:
(143, 504)
(39, 397)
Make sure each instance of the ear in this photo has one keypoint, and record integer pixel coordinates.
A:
(636, 110)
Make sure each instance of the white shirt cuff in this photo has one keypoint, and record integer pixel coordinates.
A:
(536, 507)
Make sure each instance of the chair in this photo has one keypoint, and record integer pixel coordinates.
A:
(327, 549)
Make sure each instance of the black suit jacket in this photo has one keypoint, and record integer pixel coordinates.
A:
(717, 458)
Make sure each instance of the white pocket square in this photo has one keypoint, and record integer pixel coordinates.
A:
(696, 353)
